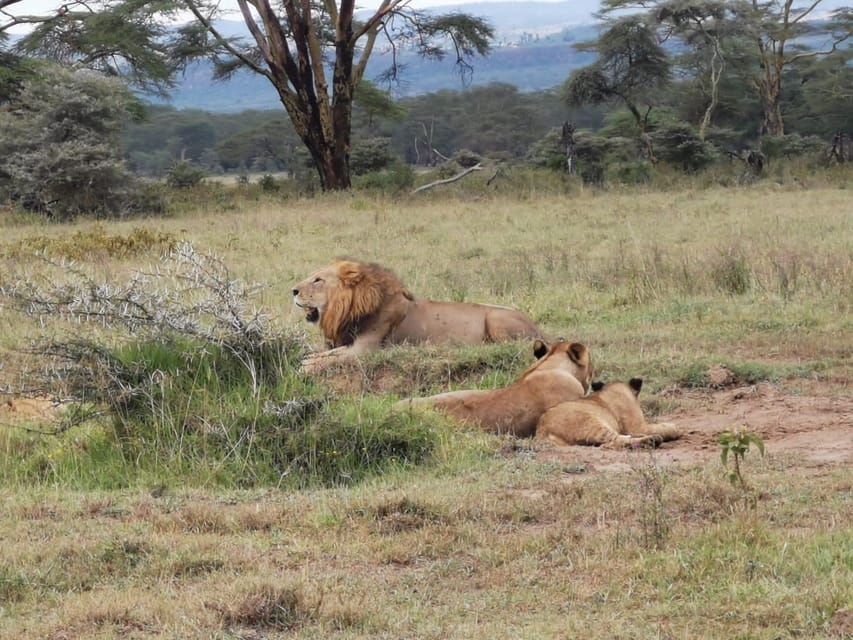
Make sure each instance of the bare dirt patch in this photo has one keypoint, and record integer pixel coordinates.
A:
(13, 409)
(817, 429)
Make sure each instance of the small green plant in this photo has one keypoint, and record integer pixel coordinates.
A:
(737, 442)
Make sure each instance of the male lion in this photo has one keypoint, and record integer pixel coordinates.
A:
(611, 416)
(361, 307)
(561, 373)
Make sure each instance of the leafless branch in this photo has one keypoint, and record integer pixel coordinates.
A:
(459, 176)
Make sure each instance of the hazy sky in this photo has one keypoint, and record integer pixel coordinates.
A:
(42, 6)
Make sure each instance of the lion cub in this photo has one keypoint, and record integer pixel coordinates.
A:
(611, 416)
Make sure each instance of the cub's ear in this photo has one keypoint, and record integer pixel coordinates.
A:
(597, 385)
(350, 273)
(579, 353)
(636, 384)
(539, 349)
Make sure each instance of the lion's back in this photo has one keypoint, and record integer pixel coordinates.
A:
(578, 422)
(461, 322)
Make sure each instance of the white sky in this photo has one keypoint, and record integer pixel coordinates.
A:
(37, 7)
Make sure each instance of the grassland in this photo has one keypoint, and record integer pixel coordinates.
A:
(487, 539)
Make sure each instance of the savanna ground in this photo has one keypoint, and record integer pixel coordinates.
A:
(732, 303)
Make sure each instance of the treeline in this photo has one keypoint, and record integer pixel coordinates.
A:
(496, 121)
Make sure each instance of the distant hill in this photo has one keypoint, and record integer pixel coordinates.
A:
(532, 50)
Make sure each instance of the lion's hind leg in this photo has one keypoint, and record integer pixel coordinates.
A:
(623, 441)
(663, 431)
(502, 325)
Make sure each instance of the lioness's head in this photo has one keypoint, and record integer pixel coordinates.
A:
(567, 356)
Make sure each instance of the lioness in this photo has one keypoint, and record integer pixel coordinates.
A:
(561, 373)
(610, 416)
(361, 307)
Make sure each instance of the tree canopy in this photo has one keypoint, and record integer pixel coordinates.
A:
(764, 42)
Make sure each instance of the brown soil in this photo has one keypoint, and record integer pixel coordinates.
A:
(816, 428)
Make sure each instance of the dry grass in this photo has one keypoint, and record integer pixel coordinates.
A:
(658, 284)
(517, 549)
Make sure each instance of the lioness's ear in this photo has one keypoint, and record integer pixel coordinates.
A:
(539, 349)
(350, 273)
(579, 353)
(597, 385)
(636, 384)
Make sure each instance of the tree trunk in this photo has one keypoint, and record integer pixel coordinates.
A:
(715, 74)
(773, 125)
(333, 171)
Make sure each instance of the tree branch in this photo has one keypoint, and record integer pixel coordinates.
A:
(223, 42)
(476, 167)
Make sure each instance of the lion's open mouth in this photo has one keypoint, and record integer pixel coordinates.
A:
(312, 314)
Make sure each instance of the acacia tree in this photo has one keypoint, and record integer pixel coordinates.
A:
(59, 145)
(781, 34)
(313, 52)
(775, 26)
(632, 68)
(707, 27)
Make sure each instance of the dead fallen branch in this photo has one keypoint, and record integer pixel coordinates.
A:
(459, 176)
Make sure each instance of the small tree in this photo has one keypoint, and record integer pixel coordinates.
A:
(59, 145)
(632, 68)
(737, 442)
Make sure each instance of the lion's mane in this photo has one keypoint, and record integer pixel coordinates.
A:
(361, 290)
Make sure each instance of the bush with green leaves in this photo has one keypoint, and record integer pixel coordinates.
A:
(370, 155)
(733, 445)
(678, 144)
(183, 175)
(393, 180)
(268, 183)
(59, 146)
(792, 145)
(633, 172)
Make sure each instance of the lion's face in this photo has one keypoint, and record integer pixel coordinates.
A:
(312, 294)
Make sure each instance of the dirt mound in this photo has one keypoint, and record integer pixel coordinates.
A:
(818, 429)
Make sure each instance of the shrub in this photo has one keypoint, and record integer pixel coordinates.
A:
(634, 172)
(792, 145)
(394, 180)
(184, 175)
(370, 156)
(268, 183)
(678, 144)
